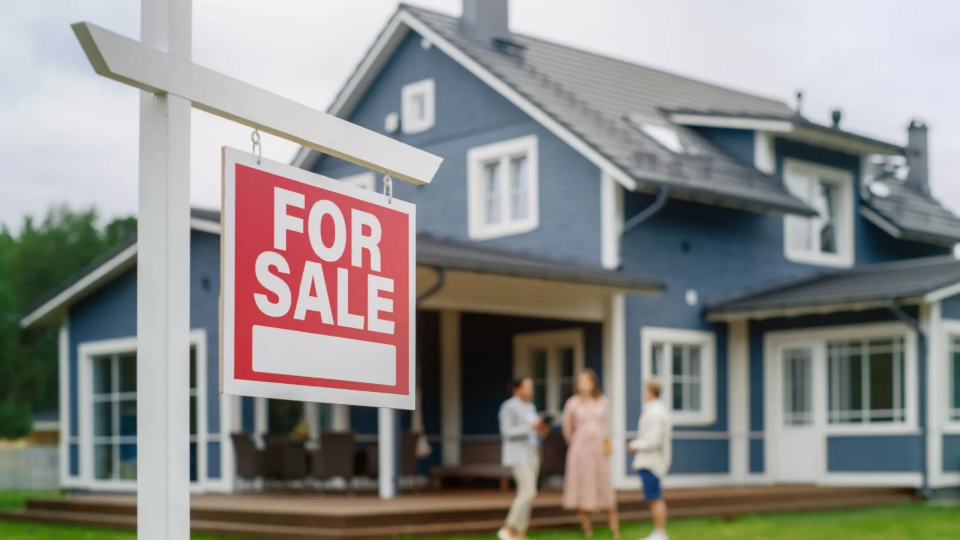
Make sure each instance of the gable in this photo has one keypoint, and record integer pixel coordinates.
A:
(470, 114)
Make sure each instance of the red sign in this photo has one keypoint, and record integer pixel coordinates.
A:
(318, 285)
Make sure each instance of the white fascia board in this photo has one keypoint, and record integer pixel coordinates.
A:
(108, 269)
(942, 293)
(131, 62)
(117, 263)
(732, 122)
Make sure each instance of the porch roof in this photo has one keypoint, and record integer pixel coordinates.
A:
(432, 251)
(866, 287)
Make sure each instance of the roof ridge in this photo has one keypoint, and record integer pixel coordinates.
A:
(615, 59)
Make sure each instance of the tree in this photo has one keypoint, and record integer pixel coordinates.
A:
(32, 263)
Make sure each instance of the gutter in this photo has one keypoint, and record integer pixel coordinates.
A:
(898, 311)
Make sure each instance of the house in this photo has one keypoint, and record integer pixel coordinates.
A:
(799, 301)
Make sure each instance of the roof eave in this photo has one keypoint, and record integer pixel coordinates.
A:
(787, 311)
(877, 218)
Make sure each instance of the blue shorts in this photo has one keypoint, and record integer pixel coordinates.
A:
(651, 485)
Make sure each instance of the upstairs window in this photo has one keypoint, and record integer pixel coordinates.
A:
(502, 180)
(825, 239)
(417, 108)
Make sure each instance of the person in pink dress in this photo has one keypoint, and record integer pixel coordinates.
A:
(587, 486)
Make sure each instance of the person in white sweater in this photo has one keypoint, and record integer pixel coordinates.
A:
(652, 454)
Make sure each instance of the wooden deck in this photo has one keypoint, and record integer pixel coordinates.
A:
(326, 517)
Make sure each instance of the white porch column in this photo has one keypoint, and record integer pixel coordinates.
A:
(738, 399)
(614, 383)
(387, 440)
(260, 417)
(341, 417)
(450, 387)
(163, 289)
(311, 415)
(931, 320)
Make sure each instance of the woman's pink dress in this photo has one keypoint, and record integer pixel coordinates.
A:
(586, 483)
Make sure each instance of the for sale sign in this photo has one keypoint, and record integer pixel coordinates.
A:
(317, 288)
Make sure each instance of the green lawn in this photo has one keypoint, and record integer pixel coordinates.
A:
(907, 522)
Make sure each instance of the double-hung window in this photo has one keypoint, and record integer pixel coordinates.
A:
(867, 381)
(503, 181)
(827, 238)
(683, 361)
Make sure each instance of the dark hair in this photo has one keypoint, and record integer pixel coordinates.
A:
(596, 381)
(515, 383)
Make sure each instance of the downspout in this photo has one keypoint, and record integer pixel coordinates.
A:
(648, 212)
(898, 311)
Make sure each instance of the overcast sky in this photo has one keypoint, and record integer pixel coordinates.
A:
(70, 136)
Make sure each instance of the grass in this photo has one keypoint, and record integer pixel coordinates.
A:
(11, 500)
(915, 521)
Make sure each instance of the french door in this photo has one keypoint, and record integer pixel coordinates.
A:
(552, 360)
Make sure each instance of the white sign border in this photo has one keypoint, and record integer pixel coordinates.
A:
(230, 385)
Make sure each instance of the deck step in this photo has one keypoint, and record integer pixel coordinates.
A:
(121, 518)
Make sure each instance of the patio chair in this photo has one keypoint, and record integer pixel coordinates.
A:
(275, 447)
(409, 464)
(478, 459)
(336, 457)
(250, 460)
(553, 456)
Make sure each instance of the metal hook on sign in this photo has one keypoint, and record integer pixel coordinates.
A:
(257, 148)
(388, 188)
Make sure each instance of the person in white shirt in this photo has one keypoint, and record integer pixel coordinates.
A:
(520, 430)
(652, 454)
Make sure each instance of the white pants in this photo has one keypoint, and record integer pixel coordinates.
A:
(525, 476)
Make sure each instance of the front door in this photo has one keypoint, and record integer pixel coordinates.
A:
(552, 360)
(799, 442)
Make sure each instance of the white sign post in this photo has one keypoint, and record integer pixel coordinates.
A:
(160, 66)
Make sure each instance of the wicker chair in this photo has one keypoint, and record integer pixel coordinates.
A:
(335, 458)
(250, 460)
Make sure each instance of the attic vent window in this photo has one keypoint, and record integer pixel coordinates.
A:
(417, 108)
(667, 136)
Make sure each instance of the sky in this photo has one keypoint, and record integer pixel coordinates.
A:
(70, 136)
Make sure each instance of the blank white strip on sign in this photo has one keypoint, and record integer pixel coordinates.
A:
(302, 354)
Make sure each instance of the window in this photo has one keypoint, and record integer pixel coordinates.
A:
(417, 106)
(683, 360)
(113, 426)
(552, 361)
(866, 381)
(954, 373)
(666, 135)
(503, 182)
(826, 239)
(366, 180)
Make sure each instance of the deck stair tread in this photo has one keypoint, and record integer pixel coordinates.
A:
(293, 517)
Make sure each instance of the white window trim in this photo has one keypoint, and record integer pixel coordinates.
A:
(950, 328)
(708, 371)
(572, 337)
(85, 354)
(818, 338)
(366, 180)
(845, 227)
(503, 151)
(409, 123)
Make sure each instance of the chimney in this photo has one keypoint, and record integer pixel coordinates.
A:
(917, 175)
(486, 20)
(836, 115)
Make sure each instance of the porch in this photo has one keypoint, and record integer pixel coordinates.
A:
(298, 516)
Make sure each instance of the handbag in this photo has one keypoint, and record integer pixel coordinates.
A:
(607, 447)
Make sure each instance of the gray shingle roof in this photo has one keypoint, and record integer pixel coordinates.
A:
(916, 215)
(879, 282)
(592, 96)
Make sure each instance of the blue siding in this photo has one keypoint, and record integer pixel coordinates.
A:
(881, 453)
(737, 143)
(248, 414)
(950, 307)
(213, 460)
(951, 453)
(468, 114)
(111, 313)
(74, 458)
(700, 456)
(756, 456)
